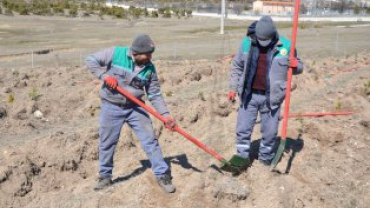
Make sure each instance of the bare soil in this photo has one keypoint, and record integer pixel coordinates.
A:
(49, 140)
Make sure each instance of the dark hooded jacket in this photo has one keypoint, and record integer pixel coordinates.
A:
(244, 67)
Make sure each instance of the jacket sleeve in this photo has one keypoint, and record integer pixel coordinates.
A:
(155, 96)
(237, 68)
(100, 62)
(299, 68)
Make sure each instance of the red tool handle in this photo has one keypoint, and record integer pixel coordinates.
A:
(177, 129)
(290, 72)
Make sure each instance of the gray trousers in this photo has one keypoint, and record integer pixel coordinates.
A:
(111, 121)
(247, 115)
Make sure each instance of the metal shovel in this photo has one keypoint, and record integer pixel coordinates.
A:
(281, 148)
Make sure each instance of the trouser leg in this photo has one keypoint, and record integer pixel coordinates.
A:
(110, 124)
(247, 115)
(141, 124)
(269, 130)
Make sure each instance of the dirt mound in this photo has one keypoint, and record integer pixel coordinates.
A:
(49, 136)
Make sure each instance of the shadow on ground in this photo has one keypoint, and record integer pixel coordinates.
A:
(181, 160)
(292, 147)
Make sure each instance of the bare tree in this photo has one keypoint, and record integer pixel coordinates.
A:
(238, 8)
(303, 9)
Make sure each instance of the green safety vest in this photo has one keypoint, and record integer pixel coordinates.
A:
(123, 62)
(283, 50)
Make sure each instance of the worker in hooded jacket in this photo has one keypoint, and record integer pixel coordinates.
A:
(258, 76)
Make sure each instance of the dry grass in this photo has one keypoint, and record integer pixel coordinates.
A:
(73, 39)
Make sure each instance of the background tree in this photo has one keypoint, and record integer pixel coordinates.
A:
(23, 9)
(83, 5)
(146, 12)
(154, 14)
(189, 12)
(41, 7)
(131, 9)
(104, 11)
(120, 13)
(161, 10)
(5, 3)
(65, 5)
(58, 10)
(73, 11)
(357, 9)
(238, 8)
(247, 8)
(339, 6)
(167, 13)
(101, 15)
(136, 13)
(303, 9)
(8, 4)
(9, 12)
(92, 6)
(175, 11)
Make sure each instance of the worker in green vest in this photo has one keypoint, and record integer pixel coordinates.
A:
(130, 68)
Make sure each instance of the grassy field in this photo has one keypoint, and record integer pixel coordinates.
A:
(71, 39)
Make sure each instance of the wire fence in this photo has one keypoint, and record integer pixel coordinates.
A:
(337, 42)
(57, 57)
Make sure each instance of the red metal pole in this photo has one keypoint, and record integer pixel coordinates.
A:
(297, 115)
(177, 128)
(290, 71)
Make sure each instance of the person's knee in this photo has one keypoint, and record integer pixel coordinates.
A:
(150, 144)
(269, 136)
(243, 136)
(269, 131)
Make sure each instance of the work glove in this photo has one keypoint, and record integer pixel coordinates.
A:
(293, 62)
(111, 82)
(170, 123)
(231, 96)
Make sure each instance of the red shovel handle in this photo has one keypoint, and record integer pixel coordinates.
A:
(177, 128)
(141, 104)
(290, 71)
(281, 148)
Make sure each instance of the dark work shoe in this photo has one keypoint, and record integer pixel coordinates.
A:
(103, 183)
(165, 182)
(265, 162)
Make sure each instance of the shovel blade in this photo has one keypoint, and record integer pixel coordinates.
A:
(236, 165)
(278, 154)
